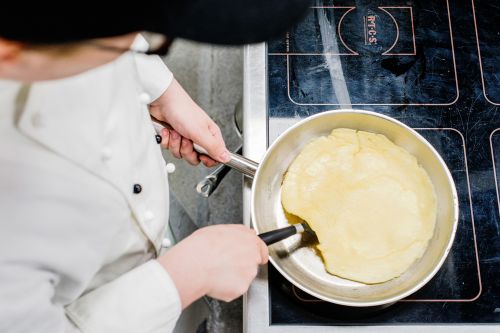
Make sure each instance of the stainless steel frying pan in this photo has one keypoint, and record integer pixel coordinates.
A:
(298, 262)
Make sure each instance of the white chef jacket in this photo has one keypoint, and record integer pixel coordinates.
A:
(76, 243)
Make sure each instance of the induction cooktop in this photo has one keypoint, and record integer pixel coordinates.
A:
(435, 66)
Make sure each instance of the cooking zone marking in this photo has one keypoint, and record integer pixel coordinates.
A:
(479, 55)
(495, 172)
(397, 31)
(297, 291)
(339, 25)
(388, 52)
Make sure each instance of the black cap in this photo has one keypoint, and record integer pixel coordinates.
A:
(212, 21)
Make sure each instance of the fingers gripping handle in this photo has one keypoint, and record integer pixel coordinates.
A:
(238, 162)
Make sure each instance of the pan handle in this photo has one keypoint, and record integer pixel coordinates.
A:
(210, 183)
(238, 162)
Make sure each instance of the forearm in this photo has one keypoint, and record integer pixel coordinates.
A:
(186, 271)
(173, 95)
(174, 103)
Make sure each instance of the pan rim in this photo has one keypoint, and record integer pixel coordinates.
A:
(382, 301)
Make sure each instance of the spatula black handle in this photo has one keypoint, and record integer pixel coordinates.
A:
(277, 235)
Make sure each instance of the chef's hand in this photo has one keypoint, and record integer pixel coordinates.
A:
(190, 124)
(219, 261)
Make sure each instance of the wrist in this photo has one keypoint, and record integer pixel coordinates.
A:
(187, 272)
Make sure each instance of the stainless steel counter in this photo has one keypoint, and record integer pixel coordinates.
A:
(256, 315)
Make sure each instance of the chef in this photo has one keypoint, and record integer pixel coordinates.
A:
(84, 193)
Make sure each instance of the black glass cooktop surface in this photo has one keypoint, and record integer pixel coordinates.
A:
(435, 66)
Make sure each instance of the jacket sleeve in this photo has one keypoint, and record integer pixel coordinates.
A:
(154, 75)
(26, 301)
(142, 300)
(145, 299)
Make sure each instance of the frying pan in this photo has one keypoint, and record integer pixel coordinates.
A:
(297, 261)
